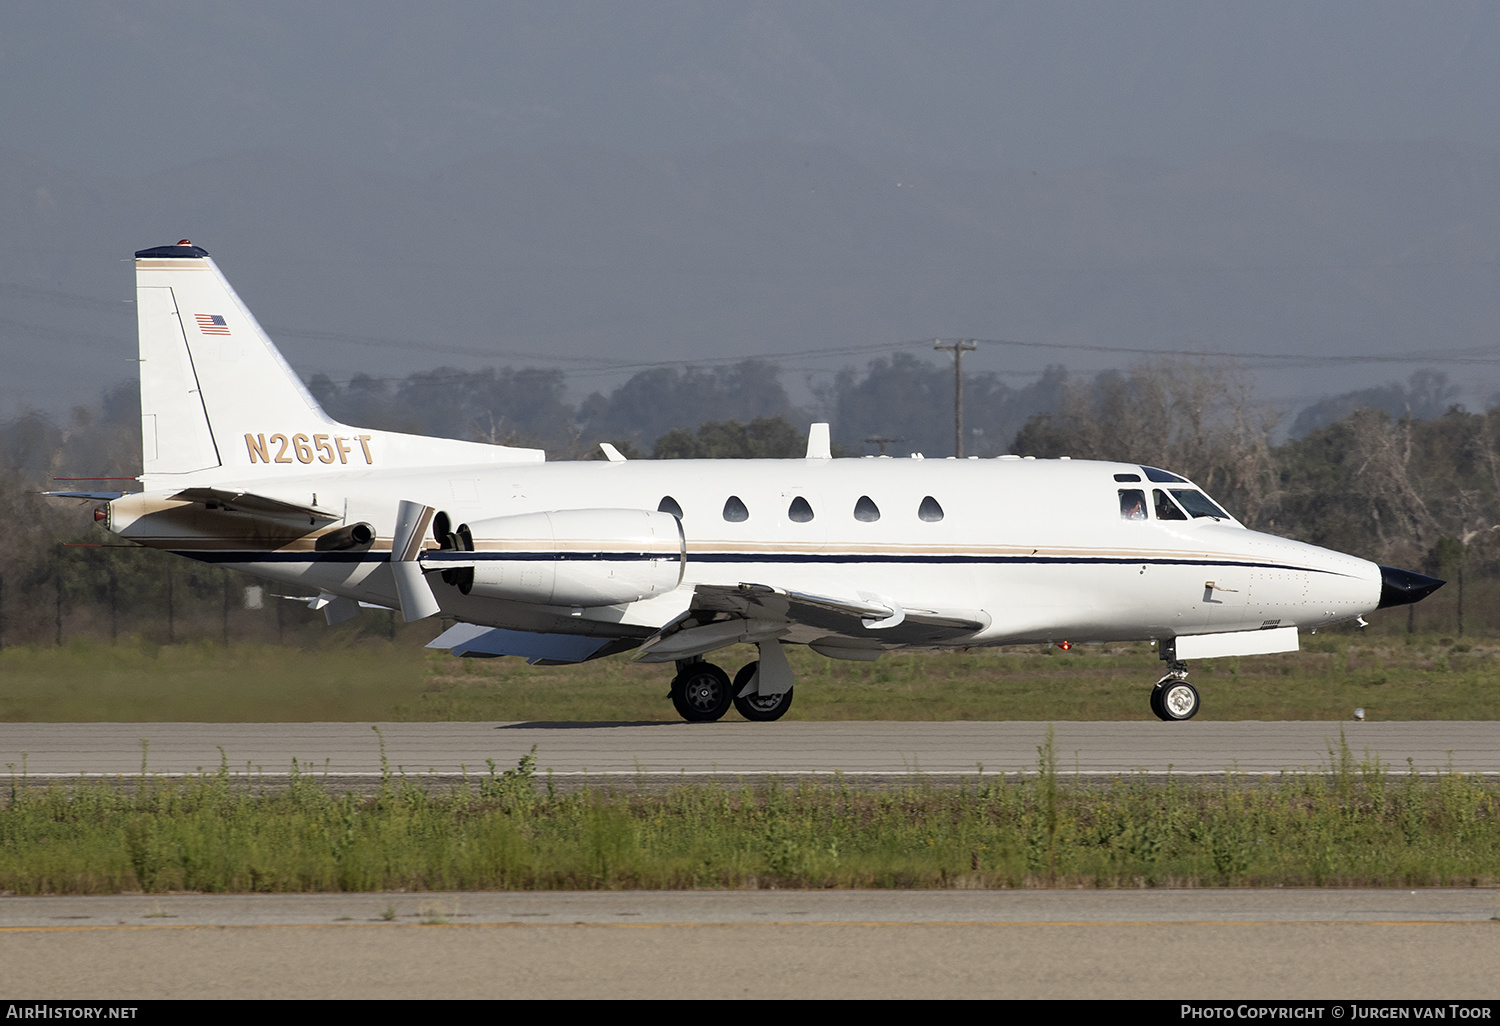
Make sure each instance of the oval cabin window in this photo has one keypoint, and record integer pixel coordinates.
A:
(930, 511)
(735, 511)
(799, 512)
(669, 505)
(865, 510)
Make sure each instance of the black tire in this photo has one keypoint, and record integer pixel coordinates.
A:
(757, 708)
(1179, 700)
(1156, 702)
(702, 693)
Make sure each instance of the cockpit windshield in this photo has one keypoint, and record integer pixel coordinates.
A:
(1166, 509)
(1197, 504)
(1165, 503)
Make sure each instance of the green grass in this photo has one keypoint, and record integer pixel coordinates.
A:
(205, 682)
(1356, 826)
(354, 679)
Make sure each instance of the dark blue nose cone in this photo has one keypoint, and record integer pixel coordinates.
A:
(1398, 587)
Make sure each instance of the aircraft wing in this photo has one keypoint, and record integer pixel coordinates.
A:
(467, 639)
(723, 615)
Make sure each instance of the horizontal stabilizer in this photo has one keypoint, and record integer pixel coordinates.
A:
(248, 502)
(103, 496)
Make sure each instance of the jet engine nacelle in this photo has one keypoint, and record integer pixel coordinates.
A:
(575, 557)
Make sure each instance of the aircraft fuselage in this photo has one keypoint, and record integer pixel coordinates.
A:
(1040, 547)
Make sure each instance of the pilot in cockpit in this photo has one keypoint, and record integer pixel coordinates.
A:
(1132, 504)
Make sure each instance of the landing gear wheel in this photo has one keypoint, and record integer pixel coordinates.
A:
(1178, 700)
(760, 708)
(701, 693)
(1156, 702)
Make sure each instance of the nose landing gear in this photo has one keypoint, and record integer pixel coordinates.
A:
(1173, 698)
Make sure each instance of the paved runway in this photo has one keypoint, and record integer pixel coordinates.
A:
(1282, 944)
(1266, 945)
(667, 750)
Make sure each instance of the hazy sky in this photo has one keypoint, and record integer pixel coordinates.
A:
(132, 84)
(126, 88)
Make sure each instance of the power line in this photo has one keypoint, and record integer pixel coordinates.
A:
(1294, 358)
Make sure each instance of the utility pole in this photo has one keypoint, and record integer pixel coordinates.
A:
(958, 348)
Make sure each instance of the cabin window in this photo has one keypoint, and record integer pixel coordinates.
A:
(735, 511)
(865, 510)
(669, 505)
(1197, 504)
(930, 511)
(1166, 509)
(799, 511)
(1132, 504)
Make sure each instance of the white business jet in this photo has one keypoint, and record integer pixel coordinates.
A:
(570, 561)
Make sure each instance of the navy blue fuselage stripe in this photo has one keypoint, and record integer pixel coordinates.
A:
(243, 556)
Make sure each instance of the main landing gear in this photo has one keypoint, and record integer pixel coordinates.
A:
(1174, 698)
(702, 693)
(761, 708)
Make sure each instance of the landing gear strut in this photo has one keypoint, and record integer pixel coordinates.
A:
(1174, 698)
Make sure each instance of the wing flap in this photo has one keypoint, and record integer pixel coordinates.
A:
(726, 614)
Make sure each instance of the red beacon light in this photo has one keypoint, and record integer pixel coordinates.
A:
(1065, 645)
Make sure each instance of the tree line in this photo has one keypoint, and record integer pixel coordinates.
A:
(1416, 491)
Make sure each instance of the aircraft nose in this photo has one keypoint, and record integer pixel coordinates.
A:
(1398, 587)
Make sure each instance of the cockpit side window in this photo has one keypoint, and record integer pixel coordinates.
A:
(1166, 509)
(1197, 504)
(1132, 504)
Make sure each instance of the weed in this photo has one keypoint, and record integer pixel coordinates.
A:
(1352, 825)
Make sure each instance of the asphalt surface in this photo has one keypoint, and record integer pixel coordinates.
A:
(667, 751)
(1245, 945)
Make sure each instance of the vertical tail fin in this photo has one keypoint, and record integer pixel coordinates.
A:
(206, 365)
(218, 401)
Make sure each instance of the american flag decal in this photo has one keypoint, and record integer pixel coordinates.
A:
(212, 324)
